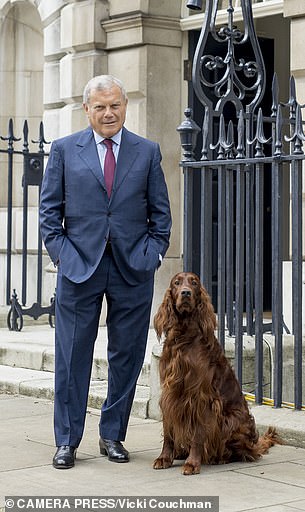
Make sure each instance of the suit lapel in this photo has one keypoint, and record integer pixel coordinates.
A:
(127, 155)
(88, 153)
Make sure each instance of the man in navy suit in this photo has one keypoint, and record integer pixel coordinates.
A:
(105, 242)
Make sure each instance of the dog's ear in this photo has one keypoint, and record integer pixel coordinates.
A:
(207, 317)
(165, 314)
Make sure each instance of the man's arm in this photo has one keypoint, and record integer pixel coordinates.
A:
(51, 211)
(158, 205)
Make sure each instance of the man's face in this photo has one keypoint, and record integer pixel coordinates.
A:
(106, 111)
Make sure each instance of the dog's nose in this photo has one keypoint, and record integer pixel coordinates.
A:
(186, 293)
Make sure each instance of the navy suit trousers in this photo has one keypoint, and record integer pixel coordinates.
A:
(78, 307)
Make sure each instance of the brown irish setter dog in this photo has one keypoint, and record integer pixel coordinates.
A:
(206, 419)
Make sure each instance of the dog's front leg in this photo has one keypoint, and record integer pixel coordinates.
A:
(166, 457)
(192, 465)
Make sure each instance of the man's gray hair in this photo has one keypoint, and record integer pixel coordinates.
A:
(100, 83)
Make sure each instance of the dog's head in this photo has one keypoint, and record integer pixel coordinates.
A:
(185, 289)
(185, 298)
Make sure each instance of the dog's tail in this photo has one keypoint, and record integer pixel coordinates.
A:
(268, 439)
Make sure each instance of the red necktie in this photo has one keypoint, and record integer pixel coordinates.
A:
(109, 166)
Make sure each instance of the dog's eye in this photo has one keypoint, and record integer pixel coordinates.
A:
(176, 283)
(194, 283)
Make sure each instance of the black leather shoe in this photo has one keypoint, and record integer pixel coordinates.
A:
(64, 457)
(114, 449)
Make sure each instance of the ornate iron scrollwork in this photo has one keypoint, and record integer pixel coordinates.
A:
(228, 78)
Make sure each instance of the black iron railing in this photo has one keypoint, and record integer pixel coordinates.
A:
(33, 167)
(236, 154)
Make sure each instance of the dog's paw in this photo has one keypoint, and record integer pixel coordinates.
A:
(191, 469)
(162, 463)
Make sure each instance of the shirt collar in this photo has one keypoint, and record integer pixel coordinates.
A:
(116, 138)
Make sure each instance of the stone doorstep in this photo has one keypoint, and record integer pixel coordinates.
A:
(40, 384)
(34, 356)
(27, 366)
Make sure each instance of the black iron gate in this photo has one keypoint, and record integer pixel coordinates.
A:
(239, 145)
(33, 167)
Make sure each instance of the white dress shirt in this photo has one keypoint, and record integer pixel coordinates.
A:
(101, 148)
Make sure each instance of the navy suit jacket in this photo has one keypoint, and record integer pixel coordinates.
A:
(77, 217)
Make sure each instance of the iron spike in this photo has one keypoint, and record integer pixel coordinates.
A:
(205, 134)
(278, 146)
(41, 139)
(241, 135)
(25, 136)
(275, 95)
(10, 137)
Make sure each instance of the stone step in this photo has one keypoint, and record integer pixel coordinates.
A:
(40, 384)
(27, 366)
(34, 349)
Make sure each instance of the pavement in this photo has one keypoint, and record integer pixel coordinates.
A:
(276, 483)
